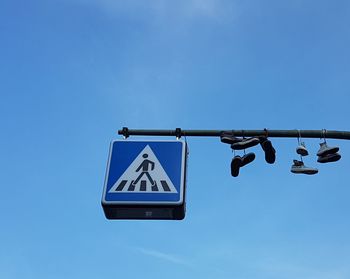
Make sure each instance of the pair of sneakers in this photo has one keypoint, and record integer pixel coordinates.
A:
(327, 153)
(266, 145)
(298, 167)
(227, 137)
(244, 143)
(238, 143)
(238, 162)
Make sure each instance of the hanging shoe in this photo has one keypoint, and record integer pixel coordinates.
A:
(245, 143)
(228, 138)
(299, 167)
(301, 149)
(247, 158)
(236, 163)
(325, 149)
(270, 152)
(329, 158)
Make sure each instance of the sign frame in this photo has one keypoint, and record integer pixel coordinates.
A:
(146, 209)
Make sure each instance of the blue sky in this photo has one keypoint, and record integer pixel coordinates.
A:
(73, 72)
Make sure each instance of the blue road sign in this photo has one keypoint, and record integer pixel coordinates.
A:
(145, 173)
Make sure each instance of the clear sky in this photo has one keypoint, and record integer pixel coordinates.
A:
(73, 72)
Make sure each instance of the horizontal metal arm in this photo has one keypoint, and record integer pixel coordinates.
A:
(239, 133)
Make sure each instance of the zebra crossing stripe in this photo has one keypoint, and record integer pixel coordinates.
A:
(165, 186)
(143, 186)
(131, 187)
(155, 188)
(121, 185)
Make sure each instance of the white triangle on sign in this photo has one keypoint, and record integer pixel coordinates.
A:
(144, 175)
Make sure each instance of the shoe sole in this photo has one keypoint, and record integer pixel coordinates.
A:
(229, 140)
(235, 165)
(270, 152)
(334, 158)
(244, 145)
(309, 172)
(302, 152)
(328, 151)
(248, 158)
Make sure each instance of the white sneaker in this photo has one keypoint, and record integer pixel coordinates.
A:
(299, 167)
(325, 149)
(301, 149)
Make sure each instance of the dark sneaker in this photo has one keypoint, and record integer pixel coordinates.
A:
(301, 150)
(248, 158)
(229, 138)
(270, 152)
(236, 163)
(299, 167)
(329, 158)
(245, 143)
(325, 149)
(298, 163)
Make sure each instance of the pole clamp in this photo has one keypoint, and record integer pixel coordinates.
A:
(178, 133)
(125, 132)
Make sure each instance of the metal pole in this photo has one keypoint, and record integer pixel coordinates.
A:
(345, 135)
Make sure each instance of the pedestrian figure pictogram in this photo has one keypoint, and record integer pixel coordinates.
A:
(144, 166)
(145, 174)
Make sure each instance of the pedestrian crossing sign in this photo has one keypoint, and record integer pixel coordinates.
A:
(145, 180)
